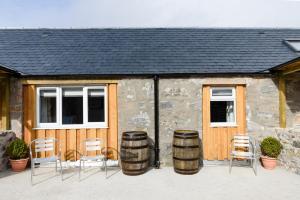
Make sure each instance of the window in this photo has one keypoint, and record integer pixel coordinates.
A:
(96, 105)
(294, 44)
(222, 106)
(47, 101)
(71, 107)
(72, 98)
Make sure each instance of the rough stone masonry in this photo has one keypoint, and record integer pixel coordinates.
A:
(181, 108)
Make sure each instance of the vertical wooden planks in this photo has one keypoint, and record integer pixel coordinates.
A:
(113, 119)
(205, 122)
(282, 102)
(240, 109)
(50, 134)
(81, 136)
(217, 140)
(71, 144)
(63, 145)
(91, 133)
(102, 133)
(29, 112)
(71, 140)
(41, 134)
(4, 104)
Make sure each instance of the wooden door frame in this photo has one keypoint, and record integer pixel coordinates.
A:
(215, 145)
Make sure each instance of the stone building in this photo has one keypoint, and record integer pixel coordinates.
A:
(79, 83)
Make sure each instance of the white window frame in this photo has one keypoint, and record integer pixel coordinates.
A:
(58, 124)
(38, 92)
(224, 98)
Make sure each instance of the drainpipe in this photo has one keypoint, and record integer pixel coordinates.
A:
(156, 121)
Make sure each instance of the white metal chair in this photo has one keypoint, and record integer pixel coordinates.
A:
(92, 145)
(48, 146)
(243, 147)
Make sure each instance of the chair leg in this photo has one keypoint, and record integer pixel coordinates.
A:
(61, 170)
(230, 165)
(105, 165)
(32, 172)
(79, 170)
(255, 160)
(56, 166)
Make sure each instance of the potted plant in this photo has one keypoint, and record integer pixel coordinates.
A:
(17, 152)
(270, 149)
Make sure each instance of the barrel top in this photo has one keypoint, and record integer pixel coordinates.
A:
(134, 133)
(185, 132)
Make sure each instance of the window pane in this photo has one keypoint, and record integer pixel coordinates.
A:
(222, 111)
(72, 106)
(222, 92)
(96, 105)
(48, 106)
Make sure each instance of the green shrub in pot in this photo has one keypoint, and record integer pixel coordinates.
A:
(271, 149)
(18, 153)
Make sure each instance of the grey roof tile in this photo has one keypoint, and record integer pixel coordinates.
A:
(144, 51)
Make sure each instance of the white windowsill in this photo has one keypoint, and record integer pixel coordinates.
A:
(215, 125)
(68, 127)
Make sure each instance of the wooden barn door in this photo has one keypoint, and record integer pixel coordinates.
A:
(222, 103)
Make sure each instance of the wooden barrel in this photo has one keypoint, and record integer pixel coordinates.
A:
(186, 151)
(134, 153)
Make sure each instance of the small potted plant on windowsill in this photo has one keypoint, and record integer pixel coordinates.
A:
(270, 149)
(18, 153)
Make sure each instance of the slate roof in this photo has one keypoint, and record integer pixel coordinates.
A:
(144, 51)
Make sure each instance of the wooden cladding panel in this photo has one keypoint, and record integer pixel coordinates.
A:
(71, 140)
(112, 141)
(4, 104)
(217, 140)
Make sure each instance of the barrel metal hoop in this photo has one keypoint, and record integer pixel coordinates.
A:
(187, 169)
(133, 139)
(185, 137)
(190, 134)
(136, 147)
(135, 162)
(185, 159)
(136, 170)
(186, 147)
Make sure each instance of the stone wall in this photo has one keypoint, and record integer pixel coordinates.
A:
(181, 108)
(16, 110)
(5, 138)
(290, 155)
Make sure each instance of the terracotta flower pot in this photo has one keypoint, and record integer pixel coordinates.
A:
(268, 163)
(18, 165)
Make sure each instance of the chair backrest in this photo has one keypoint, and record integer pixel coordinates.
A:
(43, 145)
(243, 143)
(92, 145)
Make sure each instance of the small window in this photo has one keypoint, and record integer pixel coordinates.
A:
(72, 107)
(222, 92)
(47, 107)
(294, 44)
(222, 107)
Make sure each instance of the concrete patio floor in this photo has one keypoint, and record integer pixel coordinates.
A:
(212, 182)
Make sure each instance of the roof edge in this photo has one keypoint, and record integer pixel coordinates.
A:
(278, 67)
(9, 70)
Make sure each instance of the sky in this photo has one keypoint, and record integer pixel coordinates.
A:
(149, 13)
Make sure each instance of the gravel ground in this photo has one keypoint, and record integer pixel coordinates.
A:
(212, 182)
